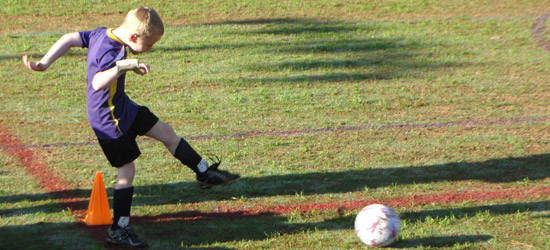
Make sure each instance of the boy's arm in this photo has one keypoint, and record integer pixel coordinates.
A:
(59, 49)
(105, 78)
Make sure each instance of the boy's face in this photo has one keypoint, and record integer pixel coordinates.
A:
(139, 44)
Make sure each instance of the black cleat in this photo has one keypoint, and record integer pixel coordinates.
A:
(214, 177)
(124, 236)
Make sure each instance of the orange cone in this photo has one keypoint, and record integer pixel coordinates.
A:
(98, 208)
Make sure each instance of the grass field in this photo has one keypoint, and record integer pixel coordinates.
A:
(436, 108)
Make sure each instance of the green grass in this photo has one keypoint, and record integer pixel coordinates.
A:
(229, 67)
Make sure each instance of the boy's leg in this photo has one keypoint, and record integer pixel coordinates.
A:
(125, 176)
(177, 146)
(147, 123)
(122, 195)
(120, 232)
(206, 176)
(121, 153)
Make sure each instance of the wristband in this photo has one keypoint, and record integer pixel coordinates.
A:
(127, 65)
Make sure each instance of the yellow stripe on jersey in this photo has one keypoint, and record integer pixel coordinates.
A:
(112, 92)
(112, 88)
(112, 36)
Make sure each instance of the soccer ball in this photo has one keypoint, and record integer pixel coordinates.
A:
(377, 225)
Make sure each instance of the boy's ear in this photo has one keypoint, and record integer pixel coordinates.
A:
(133, 37)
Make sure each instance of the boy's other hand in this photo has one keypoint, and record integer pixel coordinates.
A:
(36, 66)
(143, 69)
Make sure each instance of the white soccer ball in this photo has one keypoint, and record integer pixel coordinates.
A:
(377, 225)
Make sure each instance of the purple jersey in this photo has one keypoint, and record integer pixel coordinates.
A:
(110, 110)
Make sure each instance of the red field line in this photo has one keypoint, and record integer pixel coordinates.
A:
(48, 179)
(339, 206)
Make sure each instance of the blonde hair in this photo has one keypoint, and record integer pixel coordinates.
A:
(144, 21)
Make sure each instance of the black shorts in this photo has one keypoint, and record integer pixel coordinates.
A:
(124, 149)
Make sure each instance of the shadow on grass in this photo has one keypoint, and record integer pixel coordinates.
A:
(265, 226)
(190, 229)
(19, 57)
(196, 228)
(523, 169)
(440, 241)
(466, 212)
(77, 53)
(260, 21)
(291, 26)
(321, 51)
(45, 236)
(526, 169)
(498, 170)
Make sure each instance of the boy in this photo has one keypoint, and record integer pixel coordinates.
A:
(116, 120)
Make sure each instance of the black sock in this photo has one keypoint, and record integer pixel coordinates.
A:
(187, 155)
(122, 203)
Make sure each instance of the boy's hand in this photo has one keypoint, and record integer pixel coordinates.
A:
(133, 65)
(143, 68)
(36, 66)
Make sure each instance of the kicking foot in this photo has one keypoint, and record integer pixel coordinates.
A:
(215, 177)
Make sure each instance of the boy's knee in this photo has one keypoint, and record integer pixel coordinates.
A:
(128, 165)
(161, 128)
(126, 173)
(167, 129)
